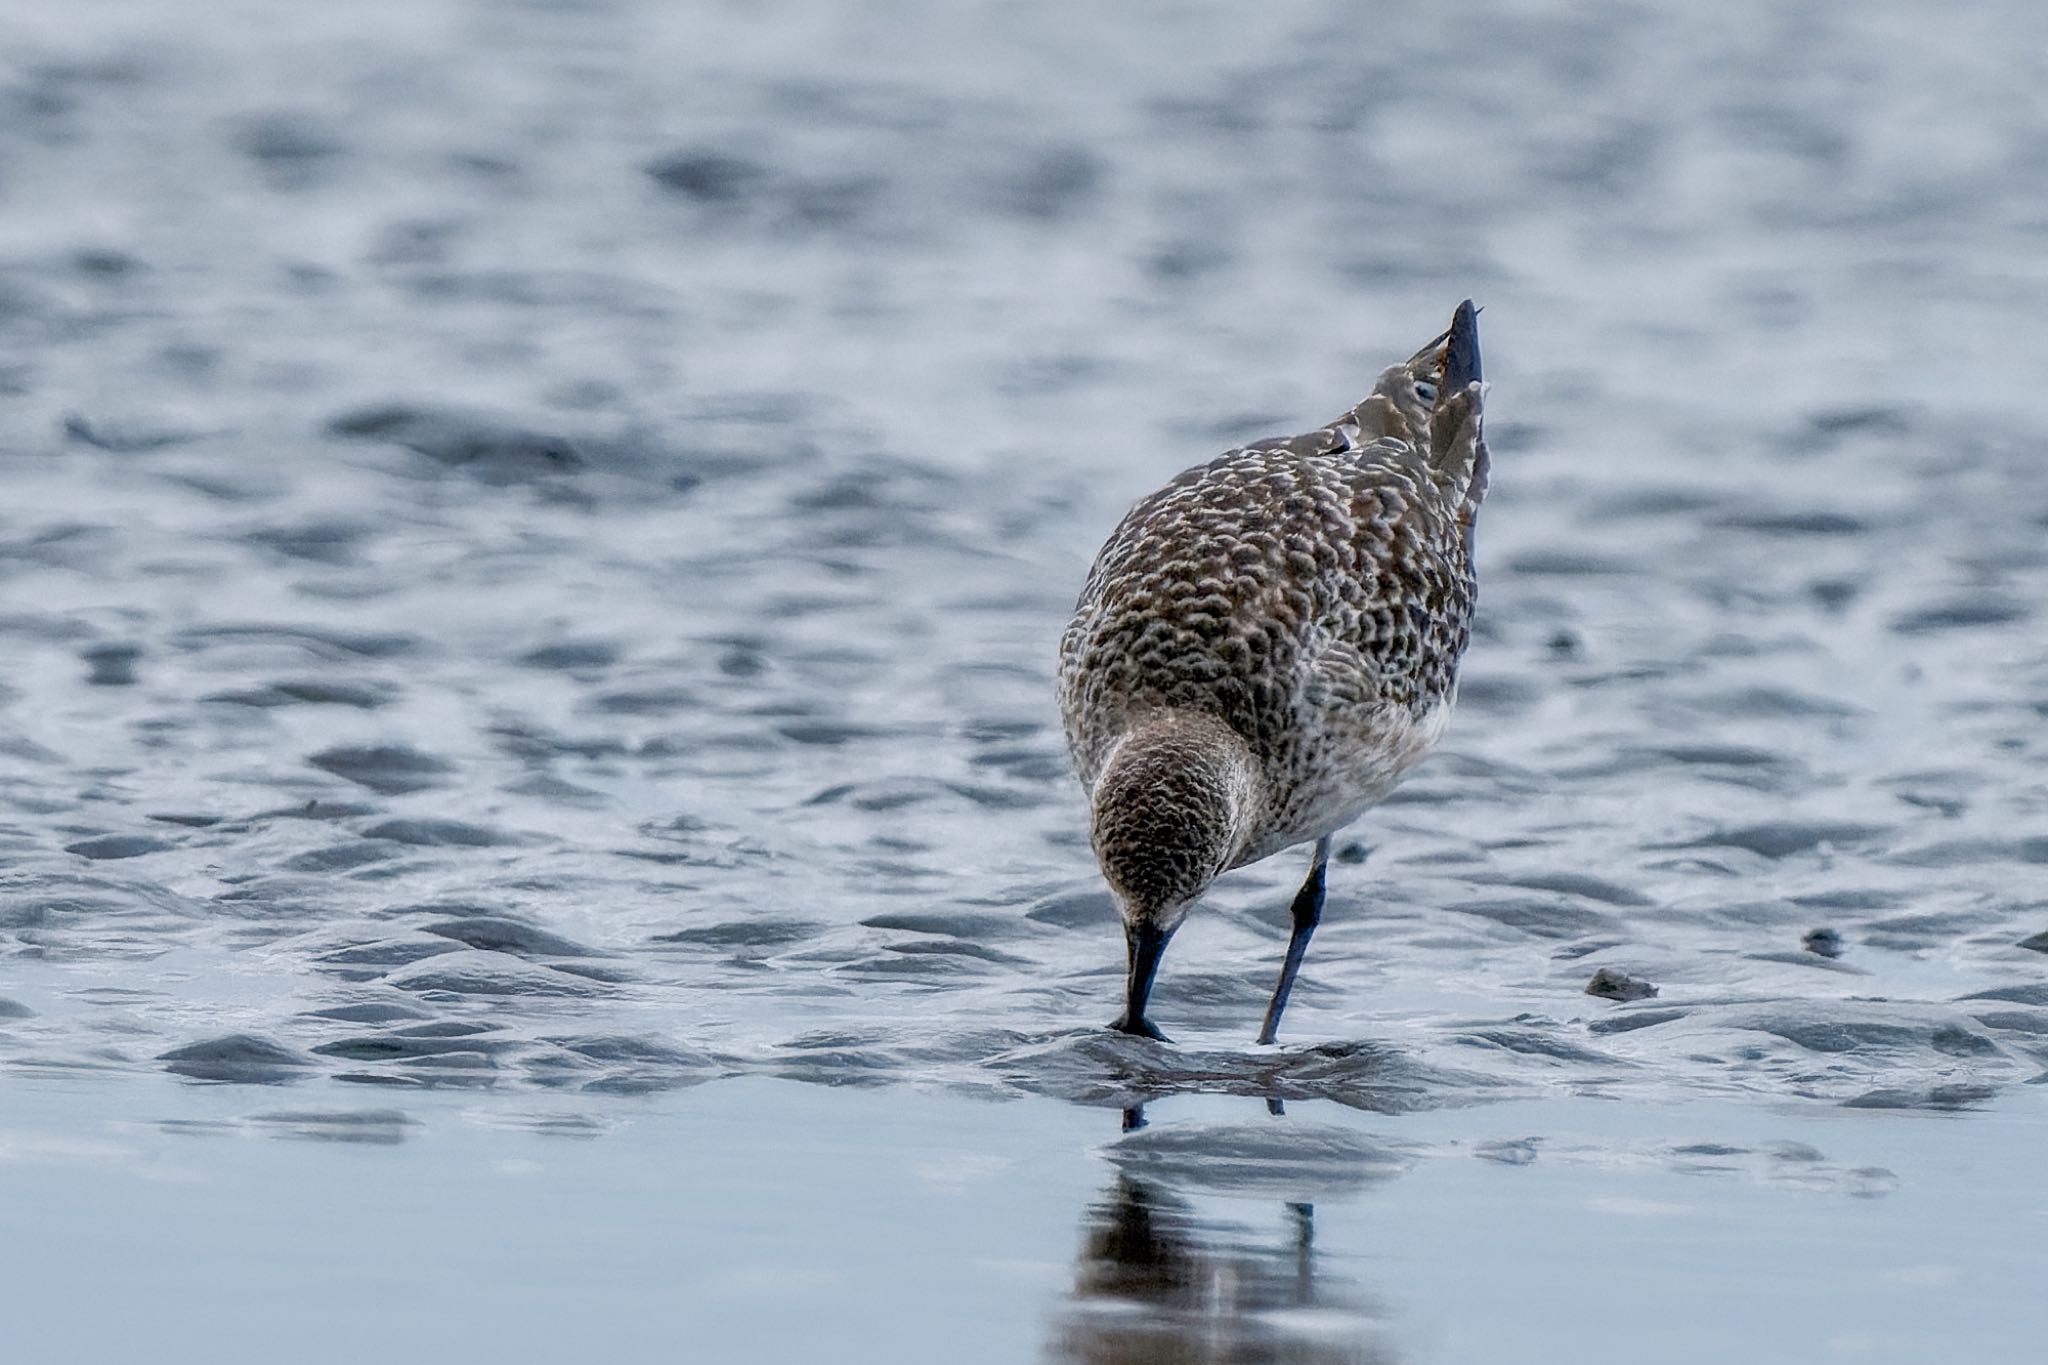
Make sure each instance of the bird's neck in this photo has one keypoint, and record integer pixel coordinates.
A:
(1176, 804)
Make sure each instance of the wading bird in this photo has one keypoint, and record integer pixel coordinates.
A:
(1266, 644)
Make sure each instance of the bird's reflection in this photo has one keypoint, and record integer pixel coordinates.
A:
(1157, 1282)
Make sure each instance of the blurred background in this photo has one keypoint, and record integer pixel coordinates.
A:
(535, 533)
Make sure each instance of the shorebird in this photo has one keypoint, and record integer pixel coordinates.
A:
(1266, 644)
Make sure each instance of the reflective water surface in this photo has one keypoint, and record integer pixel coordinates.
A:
(534, 537)
(769, 1220)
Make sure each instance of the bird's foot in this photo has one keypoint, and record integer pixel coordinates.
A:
(1140, 1027)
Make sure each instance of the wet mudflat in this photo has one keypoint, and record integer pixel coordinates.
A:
(533, 546)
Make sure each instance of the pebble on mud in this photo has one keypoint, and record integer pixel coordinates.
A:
(1824, 941)
(1609, 984)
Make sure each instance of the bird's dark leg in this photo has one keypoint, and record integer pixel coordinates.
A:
(1147, 942)
(1308, 912)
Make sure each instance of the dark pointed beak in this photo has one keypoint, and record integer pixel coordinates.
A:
(1461, 350)
(1147, 943)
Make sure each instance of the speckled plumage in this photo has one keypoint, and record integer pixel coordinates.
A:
(1269, 641)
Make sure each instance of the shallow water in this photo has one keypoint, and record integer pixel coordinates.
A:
(536, 534)
(766, 1220)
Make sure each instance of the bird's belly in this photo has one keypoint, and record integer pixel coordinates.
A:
(1344, 770)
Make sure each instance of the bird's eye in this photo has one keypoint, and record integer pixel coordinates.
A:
(1425, 390)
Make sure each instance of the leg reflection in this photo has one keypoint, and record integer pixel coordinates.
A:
(1157, 1282)
(1304, 1253)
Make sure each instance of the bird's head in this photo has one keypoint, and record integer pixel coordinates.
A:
(1173, 808)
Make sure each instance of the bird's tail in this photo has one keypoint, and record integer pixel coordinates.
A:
(1433, 402)
(1457, 439)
